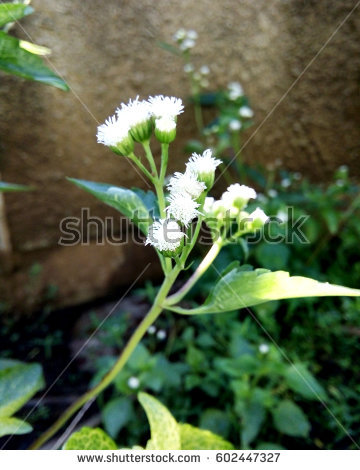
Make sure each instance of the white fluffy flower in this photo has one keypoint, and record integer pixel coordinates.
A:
(237, 195)
(204, 70)
(133, 383)
(165, 124)
(264, 348)
(112, 132)
(187, 44)
(188, 68)
(258, 217)
(165, 235)
(235, 90)
(182, 207)
(235, 125)
(135, 112)
(192, 34)
(151, 330)
(204, 163)
(180, 34)
(165, 106)
(186, 183)
(161, 335)
(246, 112)
(208, 205)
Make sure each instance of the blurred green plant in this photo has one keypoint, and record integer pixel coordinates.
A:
(22, 58)
(18, 383)
(166, 433)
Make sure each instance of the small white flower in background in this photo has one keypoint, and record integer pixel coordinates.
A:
(272, 193)
(187, 44)
(246, 112)
(186, 182)
(235, 90)
(204, 167)
(133, 383)
(192, 34)
(180, 34)
(262, 198)
(264, 348)
(297, 176)
(165, 129)
(204, 70)
(112, 132)
(188, 68)
(161, 335)
(286, 182)
(258, 217)
(237, 195)
(235, 125)
(282, 215)
(183, 208)
(165, 235)
(151, 330)
(165, 106)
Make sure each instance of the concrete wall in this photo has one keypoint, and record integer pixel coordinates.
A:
(107, 52)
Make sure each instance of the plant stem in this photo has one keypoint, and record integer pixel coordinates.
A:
(164, 161)
(150, 158)
(138, 163)
(201, 269)
(136, 337)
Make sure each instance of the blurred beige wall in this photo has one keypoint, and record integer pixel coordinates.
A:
(107, 52)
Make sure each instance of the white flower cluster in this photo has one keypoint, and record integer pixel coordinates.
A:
(185, 190)
(232, 204)
(134, 120)
(186, 39)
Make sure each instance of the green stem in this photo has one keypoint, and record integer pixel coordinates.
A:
(138, 163)
(201, 269)
(150, 158)
(136, 337)
(164, 161)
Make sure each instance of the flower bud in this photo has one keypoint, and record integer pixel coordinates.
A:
(165, 129)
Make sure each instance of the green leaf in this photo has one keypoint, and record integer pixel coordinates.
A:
(290, 419)
(116, 414)
(90, 439)
(253, 416)
(13, 426)
(164, 429)
(17, 385)
(18, 61)
(241, 289)
(216, 421)
(10, 12)
(199, 439)
(124, 200)
(9, 187)
(301, 381)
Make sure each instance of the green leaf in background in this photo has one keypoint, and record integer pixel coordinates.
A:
(164, 429)
(9, 426)
(124, 200)
(116, 414)
(291, 420)
(239, 289)
(216, 421)
(10, 187)
(252, 417)
(18, 61)
(199, 439)
(300, 380)
(90, 439)
(10, 12)
(17, 385)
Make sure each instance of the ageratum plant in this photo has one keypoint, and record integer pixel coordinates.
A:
(171, 219)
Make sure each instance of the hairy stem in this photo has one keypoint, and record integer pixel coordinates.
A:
(138, 163)
(136, 337)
